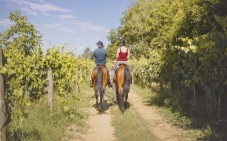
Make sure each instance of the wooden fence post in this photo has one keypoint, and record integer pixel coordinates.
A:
(77, 88)
(3, 114)
(50, 94)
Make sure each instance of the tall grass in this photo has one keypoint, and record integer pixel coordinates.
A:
(40, 124)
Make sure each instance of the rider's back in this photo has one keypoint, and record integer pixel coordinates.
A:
(100, 56)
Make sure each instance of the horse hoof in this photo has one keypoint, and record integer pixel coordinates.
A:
(122, 110)
(100, 108)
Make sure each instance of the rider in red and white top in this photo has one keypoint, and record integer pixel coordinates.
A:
(123, 54)
(122, 57)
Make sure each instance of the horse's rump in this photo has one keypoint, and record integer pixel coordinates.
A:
(121, 70)
(100, 78)
(122, 79)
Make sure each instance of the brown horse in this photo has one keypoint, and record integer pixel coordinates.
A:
(100, 80)
(122, 79)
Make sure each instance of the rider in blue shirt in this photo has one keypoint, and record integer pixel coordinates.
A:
(99, 57)
(100, 54)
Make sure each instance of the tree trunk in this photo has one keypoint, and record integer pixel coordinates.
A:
(172, 87)
(3, 115)
(219, 105)
(161, 86)
(50, 88)
(194, 85)
(194, 93)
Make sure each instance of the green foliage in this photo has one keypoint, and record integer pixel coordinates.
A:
(42, 125)
(147, 70)
(67, 70)
(115, 43)
(183, 45)
(22, 34)
(25, 70)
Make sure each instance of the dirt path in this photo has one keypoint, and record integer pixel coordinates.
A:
(100, 128)
(158, 126)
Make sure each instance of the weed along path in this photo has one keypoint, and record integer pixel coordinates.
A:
(138, 122)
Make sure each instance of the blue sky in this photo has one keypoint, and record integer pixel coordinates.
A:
(76, 23)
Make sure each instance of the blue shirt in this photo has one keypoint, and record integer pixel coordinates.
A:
(100, 56)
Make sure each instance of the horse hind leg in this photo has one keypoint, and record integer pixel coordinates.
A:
(100, 102)
(126, 97)
(96, 98)
(126, 103)
(121, 100)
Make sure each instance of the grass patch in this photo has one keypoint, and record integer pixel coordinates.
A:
(129, 126)
(39, 124)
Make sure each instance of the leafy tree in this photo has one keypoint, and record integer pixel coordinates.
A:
(114, 44)
(22, 33)
(24, 69)
(182, 44)
(87, 54)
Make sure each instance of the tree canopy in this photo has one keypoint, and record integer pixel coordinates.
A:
(181, 43)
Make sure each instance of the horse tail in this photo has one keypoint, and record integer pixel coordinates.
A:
(99, 81)
(127, 80)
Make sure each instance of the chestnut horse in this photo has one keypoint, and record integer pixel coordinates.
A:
(100, 80)
(122, 79)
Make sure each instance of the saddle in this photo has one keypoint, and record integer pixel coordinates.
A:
(101, 65)
(119, 66)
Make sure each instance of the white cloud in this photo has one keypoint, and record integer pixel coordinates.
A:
(5, 23)
(32, 7)
(59, 26)
(86, 26)
(29, 11)
(75, 27)
(66, 17)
